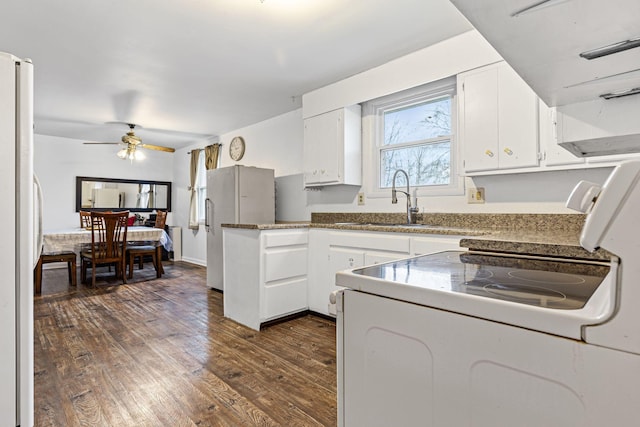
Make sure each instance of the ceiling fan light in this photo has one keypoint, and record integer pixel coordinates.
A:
(139, 155)
(122, 153)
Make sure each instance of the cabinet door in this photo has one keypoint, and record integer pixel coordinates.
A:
(498, 120)
(479, 119)
(381, 257)
(318, 266)
(517, 121)
(323, 140)
(342, 259)
(550, 129)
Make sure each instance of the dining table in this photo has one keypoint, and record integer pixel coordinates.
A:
(61, 245)
(72, 239)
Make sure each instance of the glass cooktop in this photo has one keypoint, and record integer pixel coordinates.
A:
(546, 283)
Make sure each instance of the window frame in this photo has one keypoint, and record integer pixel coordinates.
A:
(373, 137)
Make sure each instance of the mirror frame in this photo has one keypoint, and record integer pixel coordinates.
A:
(80, 179)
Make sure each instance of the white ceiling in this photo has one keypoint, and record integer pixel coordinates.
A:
(202, 67)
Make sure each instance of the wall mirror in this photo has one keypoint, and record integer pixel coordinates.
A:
(102, 194)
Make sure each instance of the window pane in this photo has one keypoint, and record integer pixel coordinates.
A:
(202, 195)
(201, 186)
(427, 120)
(201, 174)
(426, 164)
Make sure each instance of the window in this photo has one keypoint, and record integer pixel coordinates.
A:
(201, 186)
(414, 131)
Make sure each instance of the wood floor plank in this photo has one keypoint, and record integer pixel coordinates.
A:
(158, 352)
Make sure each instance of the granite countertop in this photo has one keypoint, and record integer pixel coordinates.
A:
(534, 242)
(276, 226)
(529, 234)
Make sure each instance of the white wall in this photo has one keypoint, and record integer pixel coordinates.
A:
(275, 143)
(535, 193)
(194, 243)
(450, 57)
(542, 192)
(57, 162)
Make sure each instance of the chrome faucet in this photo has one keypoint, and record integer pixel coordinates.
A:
(411, 211)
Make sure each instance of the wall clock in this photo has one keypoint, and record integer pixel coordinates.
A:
(236, 148)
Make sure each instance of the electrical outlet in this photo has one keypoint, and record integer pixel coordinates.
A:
(360, 199)
(475, 195)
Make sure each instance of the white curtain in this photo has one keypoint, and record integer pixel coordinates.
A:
(193, 203)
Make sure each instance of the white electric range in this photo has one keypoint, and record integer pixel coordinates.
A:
(483, 339)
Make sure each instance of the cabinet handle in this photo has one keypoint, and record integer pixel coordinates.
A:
(508, 151)
(322, 171)
(315, 172)
(489, 153)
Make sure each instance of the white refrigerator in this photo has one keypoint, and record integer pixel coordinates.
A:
(235, 195)
(17, 253)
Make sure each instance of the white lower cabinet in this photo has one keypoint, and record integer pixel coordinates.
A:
(377, 257)
(431, 245)
(270, 274)
(265, 274)
(331, 251)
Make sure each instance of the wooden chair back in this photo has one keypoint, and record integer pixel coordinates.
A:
(85, 219)
(108, 237)
(161, 219)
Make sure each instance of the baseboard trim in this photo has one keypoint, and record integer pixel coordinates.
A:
(194, 261)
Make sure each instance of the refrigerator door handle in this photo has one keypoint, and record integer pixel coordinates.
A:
(39, 240)
(207, 202)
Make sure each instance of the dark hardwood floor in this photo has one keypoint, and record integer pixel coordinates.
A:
(158, 352)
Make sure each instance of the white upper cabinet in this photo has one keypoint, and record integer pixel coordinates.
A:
(602, 126)
(573, 54)
(543, 40)
(333, 148)
(498, 116)
(550, 129)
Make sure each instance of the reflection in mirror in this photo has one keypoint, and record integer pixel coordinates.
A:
(134, 195)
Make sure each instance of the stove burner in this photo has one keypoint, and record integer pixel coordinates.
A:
(550, 277)
(480, 274)
(525, 293)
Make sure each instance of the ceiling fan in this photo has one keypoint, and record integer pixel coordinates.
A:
(131, 145)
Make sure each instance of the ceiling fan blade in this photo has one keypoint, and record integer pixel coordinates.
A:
(158, 147)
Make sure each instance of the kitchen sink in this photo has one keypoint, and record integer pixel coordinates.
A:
(383, 224)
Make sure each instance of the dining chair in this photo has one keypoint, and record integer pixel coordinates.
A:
(108, 244)
(152, 250)
(45, 258)
(85, 219)
(161, 219)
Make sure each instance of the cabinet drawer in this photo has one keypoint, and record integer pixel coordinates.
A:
(285, 263)
(381, 257)
(422, 246)
(287, 238)
(284, 298)
(383, 242)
